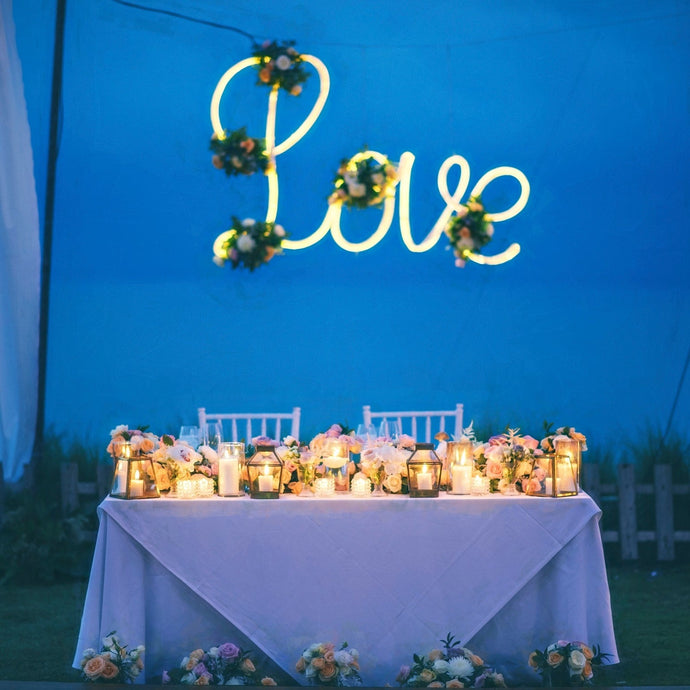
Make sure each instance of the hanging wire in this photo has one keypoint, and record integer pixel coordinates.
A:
(675, 401)
(178, 15)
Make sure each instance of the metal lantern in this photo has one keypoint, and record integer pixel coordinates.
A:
(424, 471)
(134, 475)
(460, 459)
(552, 475)
(265, 471)
(564, 445)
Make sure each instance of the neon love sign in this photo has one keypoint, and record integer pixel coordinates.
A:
(331, 221)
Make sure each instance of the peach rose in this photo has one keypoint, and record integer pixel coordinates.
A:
(532, 661)
(454, 683)
(329, 655)
(301, 665)
(554, 659)
(265, 75)
(529, 442)
(328, 671)
(247, 145)
(217, 162)
(268, 681)
(427, 675)
(435, 654)
(533, 486)
(110, 671)
(202, 680)
(296, 90)
(247, 666)
(476, 660)
(94, 667)
(318, 663)
(435, 684)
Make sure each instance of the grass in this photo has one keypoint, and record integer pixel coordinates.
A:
(650, 608)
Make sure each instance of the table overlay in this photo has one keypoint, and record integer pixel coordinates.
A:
(389, 575)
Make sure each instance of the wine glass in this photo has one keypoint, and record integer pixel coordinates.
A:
(191, 435)
(390, 430)
(211, 434)
(366, 433)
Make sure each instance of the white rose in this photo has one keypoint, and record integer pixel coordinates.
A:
(289, 440)
(279, 230)
(234, 680)
(248, 222)
(490, 230)
(283, 62)
(118, 430)
(377, 178)
(342, 657)
(357, 190)
(441, 666)
(577, 660)
(245, 243)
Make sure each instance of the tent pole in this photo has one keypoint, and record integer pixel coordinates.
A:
(49, 208)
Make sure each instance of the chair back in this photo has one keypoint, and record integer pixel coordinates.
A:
(248, 425)
(428, 422)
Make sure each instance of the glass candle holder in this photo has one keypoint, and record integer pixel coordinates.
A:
(231, 462)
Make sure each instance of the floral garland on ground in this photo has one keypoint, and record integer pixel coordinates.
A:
(113, 664)
(453, 667)
(469, 230)
(567, 664)
(323, 664)
(362, 181)
(250, 243)
(226, 664)
(238, 154)
(280, 65)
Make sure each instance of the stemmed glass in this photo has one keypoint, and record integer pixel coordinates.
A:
(211, 434)
(390, 430)
(190, 435)
(366, 433)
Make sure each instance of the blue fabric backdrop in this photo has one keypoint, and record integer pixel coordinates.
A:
(588, 326)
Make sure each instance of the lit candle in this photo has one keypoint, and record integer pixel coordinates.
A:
(136, 486)
(120, 478)
(324, 486)
(361, 486)
(548, 486)
(565, 479)
(424, 479)
(266, 480)
(461, 477)
(228, 474)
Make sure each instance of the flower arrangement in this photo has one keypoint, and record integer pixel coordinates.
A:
(547, 443)
(140, 440)
(385, 464)
(113, 664)
(506, 459)
(250, 243)
(226, 664)
(469, 230)
(363, 181)
(238, 154)
(567, 664)
(451, 667)
(280, 66)
(175, 460)
(323, 664)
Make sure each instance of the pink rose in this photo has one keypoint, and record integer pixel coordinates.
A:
(529, 442)
(494, 469)
(533, 485)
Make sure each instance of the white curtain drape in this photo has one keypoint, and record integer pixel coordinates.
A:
(19, 263)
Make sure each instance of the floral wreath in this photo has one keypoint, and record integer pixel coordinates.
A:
(280, 66)
(364, 180)
(249, 243)
(469, 230)
(238, 154)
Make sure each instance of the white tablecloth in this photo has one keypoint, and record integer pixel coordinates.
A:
(391, 576)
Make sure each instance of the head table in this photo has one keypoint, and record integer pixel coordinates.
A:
(389, 575)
